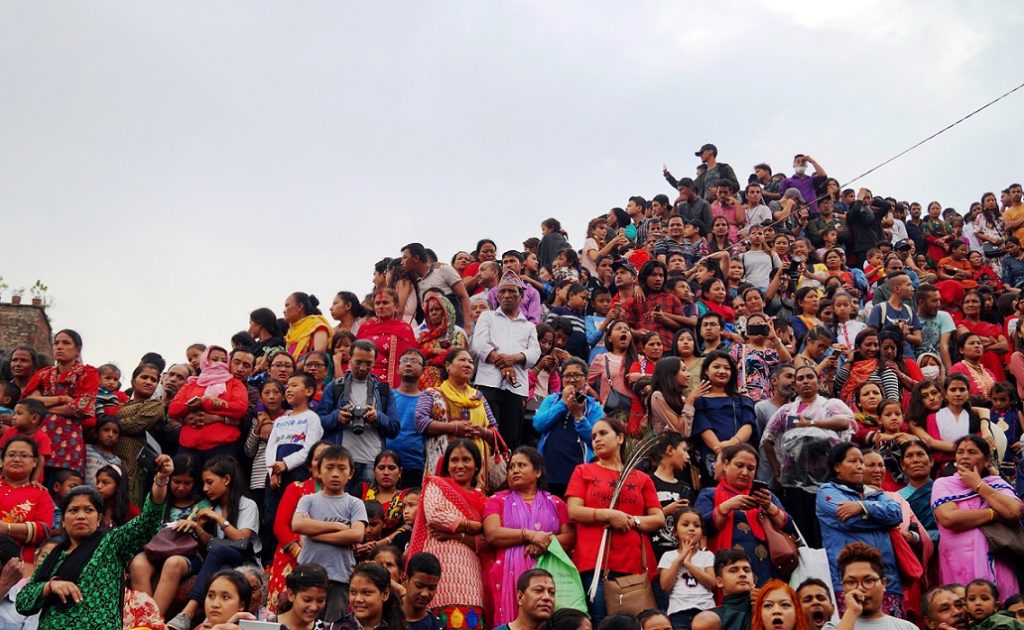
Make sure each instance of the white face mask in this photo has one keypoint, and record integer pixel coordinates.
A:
(800, 170)
(930, 371)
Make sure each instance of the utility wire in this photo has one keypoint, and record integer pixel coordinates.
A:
(933, 136)
(890, 160)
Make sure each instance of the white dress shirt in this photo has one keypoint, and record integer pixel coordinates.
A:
(496, 332)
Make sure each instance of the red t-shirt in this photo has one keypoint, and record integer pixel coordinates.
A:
(39, 437)
(594, 484)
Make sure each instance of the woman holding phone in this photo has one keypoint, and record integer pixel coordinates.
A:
(732, 509)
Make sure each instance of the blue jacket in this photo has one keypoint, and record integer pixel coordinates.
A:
(552, 409)
(387, 423)
(871, 529)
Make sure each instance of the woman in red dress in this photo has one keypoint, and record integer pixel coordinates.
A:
(68, 390)
(391, 335)
(992, 338)
(26, 509)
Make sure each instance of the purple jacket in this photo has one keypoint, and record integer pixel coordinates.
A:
(530, 306)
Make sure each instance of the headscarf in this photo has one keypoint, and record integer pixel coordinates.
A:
(443, 332)
(213, 376)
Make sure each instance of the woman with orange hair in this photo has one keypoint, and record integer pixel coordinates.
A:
(777, 607)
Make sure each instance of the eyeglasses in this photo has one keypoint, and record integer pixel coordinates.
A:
(410, 360)
(315, 365)
(573, 377)
(16, 455)
(866, 582)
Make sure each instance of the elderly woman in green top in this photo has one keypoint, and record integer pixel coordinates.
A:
(81, 582)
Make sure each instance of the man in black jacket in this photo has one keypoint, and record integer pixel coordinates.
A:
(866, 218)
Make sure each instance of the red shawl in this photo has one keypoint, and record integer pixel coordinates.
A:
(469, 502)
(724, 311)
(723, 539)
(992, 360)
(392, 337)
(860, 371)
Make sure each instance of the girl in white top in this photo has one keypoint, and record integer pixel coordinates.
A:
(846, 329)
(688, 574)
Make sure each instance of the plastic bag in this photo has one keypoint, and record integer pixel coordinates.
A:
(568, 586)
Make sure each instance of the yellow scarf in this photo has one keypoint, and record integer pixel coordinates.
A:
(467, 400)
(299, 339)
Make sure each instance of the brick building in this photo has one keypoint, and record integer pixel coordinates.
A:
(24, 323)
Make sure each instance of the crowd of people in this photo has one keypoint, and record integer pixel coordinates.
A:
(784, 404)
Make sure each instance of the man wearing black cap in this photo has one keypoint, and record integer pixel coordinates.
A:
(690, 205)
(624, 278)
(716, 171)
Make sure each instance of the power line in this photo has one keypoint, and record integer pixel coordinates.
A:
(893, 158)
(933, 136)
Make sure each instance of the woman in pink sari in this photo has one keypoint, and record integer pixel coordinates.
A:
(391, 335)
(520, 523)
(449, 524)
(963, 503)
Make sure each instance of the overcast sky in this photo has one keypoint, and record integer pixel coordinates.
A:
(168, 167)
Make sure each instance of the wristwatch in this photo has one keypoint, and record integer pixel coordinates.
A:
(636, 522)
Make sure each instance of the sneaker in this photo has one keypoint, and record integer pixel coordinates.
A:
(181, 621)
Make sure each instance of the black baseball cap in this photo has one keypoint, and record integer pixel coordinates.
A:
(707, 147)
(623, 264)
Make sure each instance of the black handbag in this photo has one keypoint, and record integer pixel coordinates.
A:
(616, 402)
(244, 545)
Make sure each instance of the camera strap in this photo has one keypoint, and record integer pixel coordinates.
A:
(343, 386)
